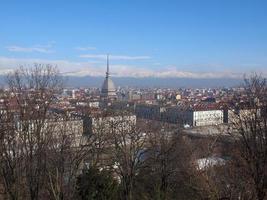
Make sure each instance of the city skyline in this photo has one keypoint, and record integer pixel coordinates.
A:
(178, 39)
(127, 100)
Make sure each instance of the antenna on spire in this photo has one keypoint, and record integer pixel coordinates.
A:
(107, 73)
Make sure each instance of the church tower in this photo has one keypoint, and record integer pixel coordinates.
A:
(108, 91)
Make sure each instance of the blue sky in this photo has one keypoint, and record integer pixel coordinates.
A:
(190, 38)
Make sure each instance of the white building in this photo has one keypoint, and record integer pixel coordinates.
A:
(200, 115)
(207, 117)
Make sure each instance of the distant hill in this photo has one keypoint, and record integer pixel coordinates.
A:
(92, 81)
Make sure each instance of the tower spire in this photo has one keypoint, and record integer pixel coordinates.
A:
(107, 73)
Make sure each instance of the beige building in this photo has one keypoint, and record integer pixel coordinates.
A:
(57, 128)
(234, 116)
(109, 123)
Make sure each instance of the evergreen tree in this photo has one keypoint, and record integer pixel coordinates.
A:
(96, 184)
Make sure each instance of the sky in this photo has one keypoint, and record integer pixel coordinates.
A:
(145, 38)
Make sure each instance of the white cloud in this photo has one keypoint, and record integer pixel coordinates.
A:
(133, 71)
(114, 57)
(85, 48)
(35, 48)
(13, 63)
(67, 67)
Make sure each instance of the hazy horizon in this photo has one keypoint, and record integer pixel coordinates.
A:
(148, 82)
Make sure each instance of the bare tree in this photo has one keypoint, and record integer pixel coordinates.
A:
(128, 148)
(66, 151)
(10, 165)
(249, 121)
(31, 93)
(168, 165)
